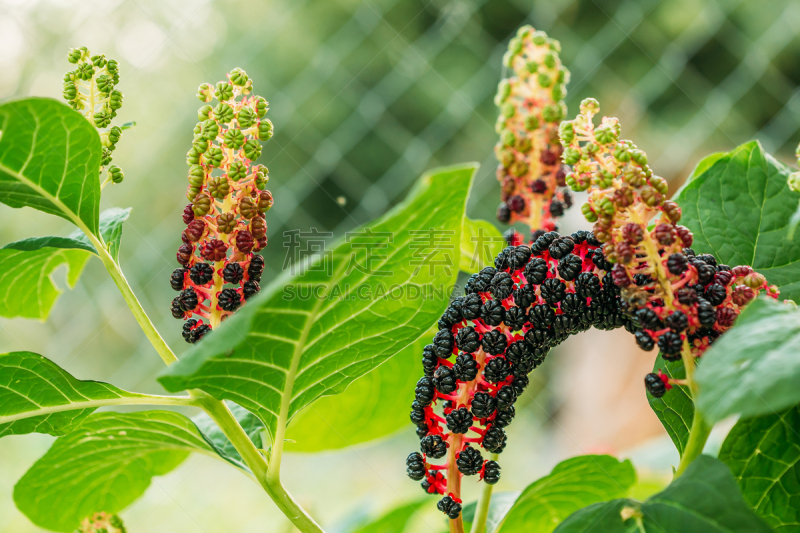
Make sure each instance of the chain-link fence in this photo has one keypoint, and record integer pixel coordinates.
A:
(365, 96)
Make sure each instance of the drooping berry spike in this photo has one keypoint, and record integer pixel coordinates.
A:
(682, 300)
(531, 103)
(102, 523)
(225, 221)
(90, 89)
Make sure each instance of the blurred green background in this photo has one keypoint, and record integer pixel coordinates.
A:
(365, 96)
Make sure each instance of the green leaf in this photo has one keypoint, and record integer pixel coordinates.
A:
(764, 455)
(480, 244)
(111, 221)
(107, 463)
(754, 368)
(739, 209)
(675, 409)
(572, 485)
(50, 160)
(37, 396)
(312, 334)
(26, 274)
(395, 521)
(499, 506)
(705, 499)
(26, 267)
(220, 443)
(373, 406)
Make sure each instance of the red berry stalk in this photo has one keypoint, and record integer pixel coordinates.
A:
(225, 219)
(531, 103)
(682, 301)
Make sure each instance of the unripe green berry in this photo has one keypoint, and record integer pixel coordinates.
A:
(588, 212)
(99, 61)
(604, 134)
(116, 174)
(192, 192)
(634, 176)
(508, 110)
(261, 176)
(210, 130)
(205, 113)
(115, 100)
(265, 129)
(506, 158)
(650, 196)
(531, 123)
(70, 91)
(553, 113)
(566, 132)
(605, 179)
(539, 38)
(544, 80)
(113, 68)
(557, 92)
(200, 144)
(262, 106)
(223, 112)
(246, 117)
(226, 222)
(639, 157)
(532, 67)
(224, 91)
(105, 84)
(234, 138)
(219, 187)
(659, 184)
(85, 71)
(794, 181)
(549, 60)
(519, 169)
(515, 45)
(508, 59)
(201, 205)
(214, 156)
(523, 145)
(571, 155)
(252, 149)
(247, 208)
(622, 154)
(239, 77)
(114, 135)
(589, 106)
(74, 55)
(503, 92)
(196, 175)
(605, 205)
(192, 157)
(102, 119)
(237, 171)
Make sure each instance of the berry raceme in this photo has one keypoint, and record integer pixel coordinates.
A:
(683, 301)
(225, 221)
(90, 89)
(531, 103)
(102, 523)
(533, 299)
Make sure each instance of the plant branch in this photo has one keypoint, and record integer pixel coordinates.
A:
(700, 430)
(482, 508)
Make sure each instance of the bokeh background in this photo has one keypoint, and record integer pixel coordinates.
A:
(365, 96)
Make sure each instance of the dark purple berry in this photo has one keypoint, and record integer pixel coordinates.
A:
(443, 343)
(424, 391)
(201, 273)
(494, 440)
(677, 321)
(536, 271)
(553, 290)
(250, 288)
(502, 286)
(561, 247)
(506, 396)
(644, 341)
(459, 420)
(233, 273)
(494, 342)
(493, 313)
(483, 405)
(433, 446)
(503, 213)
(569, 267)
(450, 507)
(491, 472)
(415, 466)
(177, 279)
(444, 380)
(670, 344)
(469, 461)
(654, 385)
(466, 367)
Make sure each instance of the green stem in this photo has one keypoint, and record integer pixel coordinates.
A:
(482, 509)
(700, 430)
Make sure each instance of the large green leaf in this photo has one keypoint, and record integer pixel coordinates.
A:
(480, 244)
(111, 221)
(314, 333)
(373, 406)
(754, 368)
(37, 396)
(107, 463)
(220, 443)
(572, 485)
(705, 499)
(739, 208)
(675, 409)
(394, 521)
(764, 455)
(50, 160)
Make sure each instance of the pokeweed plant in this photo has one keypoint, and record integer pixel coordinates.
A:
(261, 356)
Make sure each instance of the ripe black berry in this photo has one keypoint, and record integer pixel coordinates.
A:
(491, 472)
(654, 385)
(422, 431)
(484, 279)
(494, 342)
(188, 299)
(256, 268)
(177, 278)
(466, 367)
(536, 270)
(424, 391)
(709, 259)
(542, 316)
(483, 405)
(561, 246)
(443, 343)
(706, 313)
(444, 380)
(449, 506)
(648, 318)
(233, 273)
(468, 340)
(715, 294)
(686, 296)
(543, 242)
(506, 396)
(429, 360)
(415, 466)
(503, 213)
(502, 285)
(433, 446)
(187, 328)
(469, 461)
(705, 272)
(494, 440)
(199, 332)
(516, 318)
(176, 308)
(677, 264)
(641, 279)
(564, 325)
(525, 296)
(518, 352)
(417, 414)
(229, 300)
(459, 420)
(517, 256)
(569, 267)
(493, 312)
(677, 321)
(539, 337)
(201, 273)
(471, 307)
(670, 344)
(250, 288)
(520, 383)
(573, 305)
(496, 369)
(556, 208)
(504, 418)
(600, 260)
(644, 341)
(553, 290)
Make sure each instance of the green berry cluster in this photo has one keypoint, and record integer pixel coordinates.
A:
(531, 103)
(90, 89)
(102, 523)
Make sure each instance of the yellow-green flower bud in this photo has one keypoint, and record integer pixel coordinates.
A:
(589, 106)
